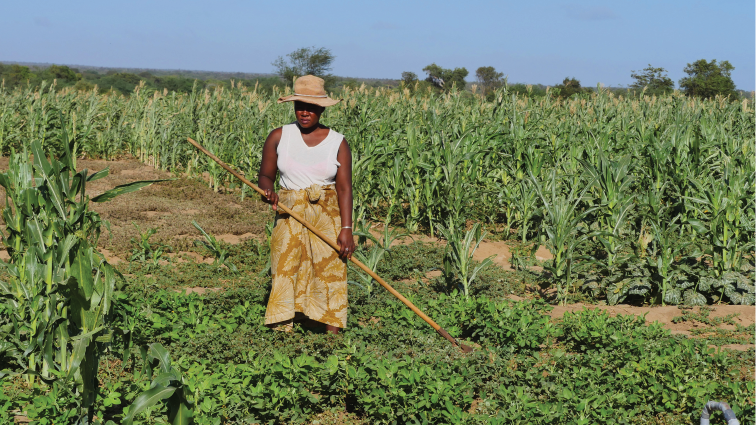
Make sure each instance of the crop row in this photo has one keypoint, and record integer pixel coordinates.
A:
(637, 199)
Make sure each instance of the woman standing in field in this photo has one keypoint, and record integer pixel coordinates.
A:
(315, 166)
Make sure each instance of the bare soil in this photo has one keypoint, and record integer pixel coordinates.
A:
(171, 206)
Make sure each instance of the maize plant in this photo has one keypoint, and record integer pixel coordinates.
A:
(612, 183)
(378, 249)
(57, 303)
(565, 228)
(459, 269)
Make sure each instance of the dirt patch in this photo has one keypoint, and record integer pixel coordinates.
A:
(500, 249)
(737, 347)
(199, 291)
(109, 256)
(746, 316)
(235, 239)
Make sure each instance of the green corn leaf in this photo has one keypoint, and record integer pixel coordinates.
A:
(81, 269)
(147, 399)
(78, 352)
(166, 378)
(40, 160)
(65, 248)
(125, 188)
(698, 226)
(157, 351)
(98, 175)
(181, 414)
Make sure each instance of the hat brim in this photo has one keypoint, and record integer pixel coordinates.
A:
(320, 101)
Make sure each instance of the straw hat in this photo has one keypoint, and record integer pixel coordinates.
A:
(310, 89)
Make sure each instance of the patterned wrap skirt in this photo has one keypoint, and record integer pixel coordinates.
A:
(308, 275)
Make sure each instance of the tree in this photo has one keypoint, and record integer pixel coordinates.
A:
(489, 79)
(305, 61)
(409, 79)
(569, 87)
(444, 78)
(16, 75)
(655, 80)
(708, 79)
(62, 72)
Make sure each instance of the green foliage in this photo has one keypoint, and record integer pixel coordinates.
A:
(409, 79)
(63, 72)
(459, 270)
(145, 251)
(653, 81)
(489, 79)
(564, 227)
(596, 329)
(422, 158)
(372, 258)
(215, 247)
(569, 87)
(708, 79)
(388, 366)
(167, 385)
(445, 79)
(305, 61)
(57, 304)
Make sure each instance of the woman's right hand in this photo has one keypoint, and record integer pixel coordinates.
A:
(271, 197)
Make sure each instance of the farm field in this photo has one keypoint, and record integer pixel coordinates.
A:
(210, 321)
(600, 210)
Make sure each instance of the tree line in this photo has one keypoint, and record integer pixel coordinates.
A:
(121, 82)
(704, 79)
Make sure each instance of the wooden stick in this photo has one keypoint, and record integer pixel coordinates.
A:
(335, 246)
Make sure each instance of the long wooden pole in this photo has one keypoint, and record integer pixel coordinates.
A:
(335, 246)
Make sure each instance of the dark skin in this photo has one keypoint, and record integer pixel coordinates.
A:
(308, 120)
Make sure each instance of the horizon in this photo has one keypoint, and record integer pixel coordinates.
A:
(531, 44)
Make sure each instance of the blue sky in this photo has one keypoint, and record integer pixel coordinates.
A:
(531, 42)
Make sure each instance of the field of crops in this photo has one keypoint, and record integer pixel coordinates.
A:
(640, 201)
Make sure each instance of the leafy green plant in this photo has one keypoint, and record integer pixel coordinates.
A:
(57, 316)
(458, 259)
(726, 204)
(612, 183)
(145, 251)
(219, 252)
(168, 385)
(565, 229)
(374, 255)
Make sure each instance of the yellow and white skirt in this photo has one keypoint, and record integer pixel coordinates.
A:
(308, 275)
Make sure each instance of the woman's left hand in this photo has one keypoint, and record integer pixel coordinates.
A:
(346, 244)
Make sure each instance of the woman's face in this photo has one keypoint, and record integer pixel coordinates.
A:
(308, 115)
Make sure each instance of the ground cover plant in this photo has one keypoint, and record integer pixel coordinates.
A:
(390, 367)
(646, 230)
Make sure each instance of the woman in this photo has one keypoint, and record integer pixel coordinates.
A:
(315, 166)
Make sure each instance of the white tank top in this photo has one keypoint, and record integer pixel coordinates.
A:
(301, 166)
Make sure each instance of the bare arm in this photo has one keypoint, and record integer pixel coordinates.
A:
(269, 168)
(344, 191)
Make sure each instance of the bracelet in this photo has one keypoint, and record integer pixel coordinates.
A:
(347, 227)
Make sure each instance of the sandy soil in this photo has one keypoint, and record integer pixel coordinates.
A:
(745, 316)
(169, 207)
(500, 250)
